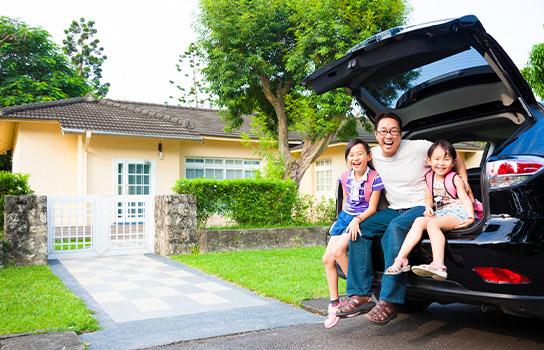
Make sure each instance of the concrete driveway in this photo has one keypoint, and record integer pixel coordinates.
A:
(148, 300)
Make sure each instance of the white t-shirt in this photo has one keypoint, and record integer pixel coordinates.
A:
(403, 174)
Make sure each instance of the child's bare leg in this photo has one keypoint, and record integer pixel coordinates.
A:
(329, 262)
(412, 238)
(340, 249)
(435, 229)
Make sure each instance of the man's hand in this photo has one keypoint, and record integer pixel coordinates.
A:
(354, 229)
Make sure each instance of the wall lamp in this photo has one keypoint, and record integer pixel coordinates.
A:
(160, 151)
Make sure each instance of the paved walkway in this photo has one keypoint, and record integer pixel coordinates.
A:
(143, 301)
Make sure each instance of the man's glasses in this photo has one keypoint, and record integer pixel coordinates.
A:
(393, 132)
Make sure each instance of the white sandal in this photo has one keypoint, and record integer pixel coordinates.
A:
(394, 271)
(435, 271)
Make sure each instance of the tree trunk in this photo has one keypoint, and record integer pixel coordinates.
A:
(311, 150)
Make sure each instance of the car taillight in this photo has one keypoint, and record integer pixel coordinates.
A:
(500, 275)
(513, 171)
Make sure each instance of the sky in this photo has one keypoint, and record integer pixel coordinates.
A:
(143, 39)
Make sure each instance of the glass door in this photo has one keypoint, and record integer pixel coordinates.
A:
(134, 184)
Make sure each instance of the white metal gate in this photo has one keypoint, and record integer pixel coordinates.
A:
(80, 226)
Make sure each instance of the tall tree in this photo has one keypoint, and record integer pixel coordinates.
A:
(33, 68)
(534, 72)
(192, 86)
(258, 52)
(86, 54)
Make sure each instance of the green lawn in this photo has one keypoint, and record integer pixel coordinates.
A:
(34, 299)
(72, 243)
(290, 275)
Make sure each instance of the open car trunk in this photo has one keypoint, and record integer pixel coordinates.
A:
(445, 80)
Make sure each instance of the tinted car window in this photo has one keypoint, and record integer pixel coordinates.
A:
(401, 90)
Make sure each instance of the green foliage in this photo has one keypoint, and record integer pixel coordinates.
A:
(85, 53)
(259, 51)
(190, 65)
(11, 184)
(534, 72)
(266, 149)
(247, 201)
(309, 210)
(290, 275)
(34, 299)
(32, 67)
(5, 161)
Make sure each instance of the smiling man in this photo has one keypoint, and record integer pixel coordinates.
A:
(402, 166)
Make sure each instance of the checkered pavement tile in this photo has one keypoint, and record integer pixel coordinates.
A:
(138, 287)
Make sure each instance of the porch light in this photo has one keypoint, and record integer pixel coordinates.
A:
(160, 151)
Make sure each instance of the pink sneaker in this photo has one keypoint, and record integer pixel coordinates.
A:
(332, 319)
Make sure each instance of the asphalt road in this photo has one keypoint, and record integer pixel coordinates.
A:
(440, 327)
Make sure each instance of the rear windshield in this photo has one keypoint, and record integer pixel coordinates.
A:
(403, 89)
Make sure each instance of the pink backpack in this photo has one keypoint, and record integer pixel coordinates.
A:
(452, 191)
(368, 184)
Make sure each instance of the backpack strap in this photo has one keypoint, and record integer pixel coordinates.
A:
(429, 177)
(450, 185)
(369, 183)
(344, 179)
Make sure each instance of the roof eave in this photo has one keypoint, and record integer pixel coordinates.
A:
(116, 133)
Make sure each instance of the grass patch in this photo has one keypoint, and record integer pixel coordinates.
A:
(72, 243)
(290, 275)
(33, 299)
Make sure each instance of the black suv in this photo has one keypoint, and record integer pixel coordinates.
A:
(451, 80)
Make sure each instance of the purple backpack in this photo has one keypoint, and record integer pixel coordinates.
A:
(368, 184)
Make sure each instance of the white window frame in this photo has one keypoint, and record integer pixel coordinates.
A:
(323, 167)
(125, 162)
(222, 164)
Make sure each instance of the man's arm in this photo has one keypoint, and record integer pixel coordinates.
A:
(461, 169)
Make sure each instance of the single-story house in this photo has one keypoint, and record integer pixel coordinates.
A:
(85, 146)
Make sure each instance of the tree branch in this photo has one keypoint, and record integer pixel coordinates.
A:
(278, 103)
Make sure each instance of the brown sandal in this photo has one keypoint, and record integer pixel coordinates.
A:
(356, 305)
(382, 313)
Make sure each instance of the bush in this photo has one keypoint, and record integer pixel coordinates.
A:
(310, 210)
(247, 201)
(11, 184)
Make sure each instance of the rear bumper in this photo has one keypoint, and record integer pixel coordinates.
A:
(451, 292)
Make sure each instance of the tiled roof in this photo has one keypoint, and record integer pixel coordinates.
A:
(205, 122)
(144, 119)
(126, 118)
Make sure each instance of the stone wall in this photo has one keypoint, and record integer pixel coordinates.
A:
(175, 224)
(25, 229)
(3, 252)
(225, 240)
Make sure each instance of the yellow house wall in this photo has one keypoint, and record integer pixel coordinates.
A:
(105, 150)
(48, 156)
(57, 162)
(335, 153)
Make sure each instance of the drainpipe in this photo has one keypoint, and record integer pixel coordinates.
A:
(82, 149)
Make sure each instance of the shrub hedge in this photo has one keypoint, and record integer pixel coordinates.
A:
(247, 201)
(11, 184)
(311, 210)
